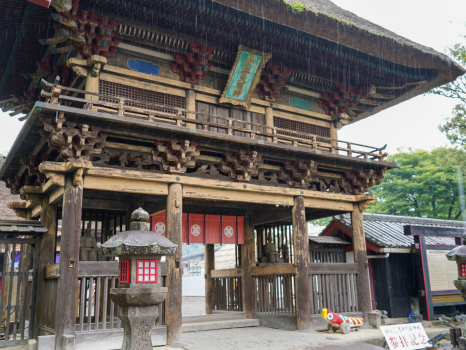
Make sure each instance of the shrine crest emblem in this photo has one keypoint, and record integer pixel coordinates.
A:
(195, 230)
(159, 228)
(228, 231)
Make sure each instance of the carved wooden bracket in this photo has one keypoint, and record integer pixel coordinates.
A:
(299, 174)
(364, 205)
(359, 182)
(176, 156)
(73, 140)
(242, 165)
(273, 81)
(195, 65)
(141, 161)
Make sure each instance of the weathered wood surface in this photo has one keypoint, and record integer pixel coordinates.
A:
(275, 269)
(301, 255)
(274, 295)
(248, 260)
(209, 258)
(69, 260)
(333, 268)
(226, 273)
(173, 301)
(360, 257)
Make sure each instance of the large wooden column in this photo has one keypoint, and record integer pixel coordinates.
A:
(48, 219)
(247, 262)
(67, 293)
(360, 257)
(190, 106)
(333, 135)
(209, 258)
(269, 121)
(301, 252)
(174, 233)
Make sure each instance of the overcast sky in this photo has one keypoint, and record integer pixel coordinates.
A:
(413, 123)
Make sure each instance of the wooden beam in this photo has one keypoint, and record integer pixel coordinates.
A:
(266, 216)
(122, 185)
(173, 281)
(227, 273)
(104, 204)
(209, 258)
(35, 211)
(248, 260)
(277, 269)
(360, 257)
(48, 219)
(301, 255)
(56, 195)
(67, 291)
(333, 268)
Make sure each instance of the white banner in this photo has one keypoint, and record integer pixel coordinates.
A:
(405, 336)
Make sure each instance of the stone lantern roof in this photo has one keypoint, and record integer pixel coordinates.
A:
(458, 253)
(139, 240)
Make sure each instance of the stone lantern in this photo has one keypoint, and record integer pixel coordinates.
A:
(139, 289)
(458, 254)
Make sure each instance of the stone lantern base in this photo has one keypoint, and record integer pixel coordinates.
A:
(138, 322)
(461, 285)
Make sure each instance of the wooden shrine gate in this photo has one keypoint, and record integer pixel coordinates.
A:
(19, 247)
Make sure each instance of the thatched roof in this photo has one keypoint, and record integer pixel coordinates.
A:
(326, 20)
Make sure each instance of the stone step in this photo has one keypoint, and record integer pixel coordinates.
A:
(206, 326)
(227, 316)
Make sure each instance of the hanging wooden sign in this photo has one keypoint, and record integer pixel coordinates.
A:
(244, 76)
(204, 229)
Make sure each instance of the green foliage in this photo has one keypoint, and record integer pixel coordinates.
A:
(296, 6)
(424, 185)
(455, 127)
(462, 278)
(188, 249)
(4, 153)
(320, 222)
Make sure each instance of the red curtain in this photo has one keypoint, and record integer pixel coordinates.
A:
(206, 229)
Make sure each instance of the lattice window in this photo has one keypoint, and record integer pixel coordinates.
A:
(136, 94)
(125, 271)
(146, 271)
(309, 129)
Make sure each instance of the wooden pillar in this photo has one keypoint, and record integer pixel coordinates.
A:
(48, 219)
(360, 257)
(209, 266)
(67, 292)
(333, 136)
(247, 262)
(174, 233)
(301, 252)
(190, 106)
(269, 121)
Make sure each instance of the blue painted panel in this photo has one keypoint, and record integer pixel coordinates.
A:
(143, 66)
(300, 103)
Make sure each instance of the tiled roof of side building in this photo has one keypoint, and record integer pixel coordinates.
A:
(386, 231)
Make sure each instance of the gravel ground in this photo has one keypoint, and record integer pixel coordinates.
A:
(193, 306)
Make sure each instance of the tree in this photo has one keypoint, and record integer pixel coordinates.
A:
(455, 127)
(424, 185)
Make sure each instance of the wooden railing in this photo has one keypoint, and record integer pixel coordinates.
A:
(230, 125)
(333, 286)
(227, 293)
(95, 311)
(275, 294)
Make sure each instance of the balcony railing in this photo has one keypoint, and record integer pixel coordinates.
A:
(229, 125)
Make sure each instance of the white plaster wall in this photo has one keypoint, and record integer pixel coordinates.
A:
(193, 286)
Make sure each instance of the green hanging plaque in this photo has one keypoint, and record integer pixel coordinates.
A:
(244, 76)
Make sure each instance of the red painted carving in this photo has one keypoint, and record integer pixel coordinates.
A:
(195, 65)
(344, 98)
(273, 81)
(359, 182)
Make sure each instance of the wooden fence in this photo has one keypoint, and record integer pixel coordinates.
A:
(228, 293)
(333, 286)
(275, 294)
(179, 117)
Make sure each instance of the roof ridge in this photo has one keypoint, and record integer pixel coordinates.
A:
(412, 220)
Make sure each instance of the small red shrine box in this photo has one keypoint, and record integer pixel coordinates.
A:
(147, 271)
(125, 271)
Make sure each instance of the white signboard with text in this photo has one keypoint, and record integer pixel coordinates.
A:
(405, 336)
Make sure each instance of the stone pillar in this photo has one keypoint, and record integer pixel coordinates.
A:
(190, 106)
(269, 121)
(360, 257)
(209, 258)
(301, 252)
(174, 233)
(48, 219)
(67, 292)
(247, 262)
